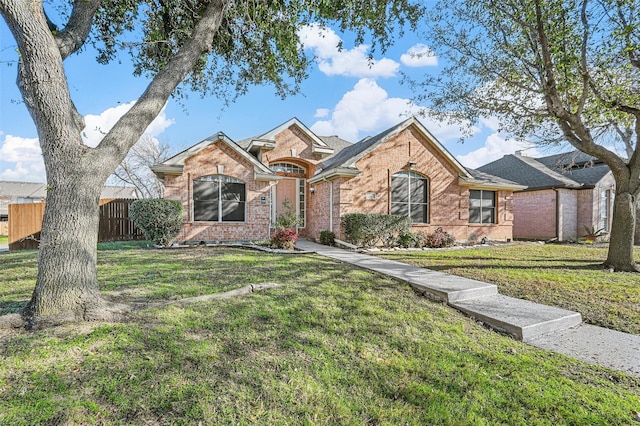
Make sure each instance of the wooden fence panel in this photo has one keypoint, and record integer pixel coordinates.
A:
(25, 224)
(115, 224)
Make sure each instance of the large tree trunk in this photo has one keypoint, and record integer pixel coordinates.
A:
(620, 256)
(67, 283)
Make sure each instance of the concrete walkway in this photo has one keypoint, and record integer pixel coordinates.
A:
(539, 325)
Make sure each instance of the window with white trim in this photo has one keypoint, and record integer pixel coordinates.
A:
(219, 198)
(482, 206)
(605, 209)
(287, 168)
(410, 196)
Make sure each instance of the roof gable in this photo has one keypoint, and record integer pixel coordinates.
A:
(351, 154)
(175, 164)
(268, 140)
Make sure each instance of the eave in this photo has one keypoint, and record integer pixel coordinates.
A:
(348, 172)
(493, 186)
(165, 169)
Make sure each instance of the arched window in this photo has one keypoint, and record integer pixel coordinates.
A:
(293, 169)
(219, 198)
(410, 196)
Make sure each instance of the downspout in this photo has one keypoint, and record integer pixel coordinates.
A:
(331, 206)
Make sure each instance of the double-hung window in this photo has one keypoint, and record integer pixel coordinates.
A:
(410, 196)
(482, 206)
(219, 198)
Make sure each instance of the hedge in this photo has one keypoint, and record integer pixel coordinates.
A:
(368, 229)
(160, 220)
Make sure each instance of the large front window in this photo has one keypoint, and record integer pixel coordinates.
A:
(482, 206)
(410, 196)
(219, 198)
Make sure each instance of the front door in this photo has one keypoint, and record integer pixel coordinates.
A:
(286, 194)
(289, 198)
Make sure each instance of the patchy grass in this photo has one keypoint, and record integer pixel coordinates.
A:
(332, 345)
(567, 276)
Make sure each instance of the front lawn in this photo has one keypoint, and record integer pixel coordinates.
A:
(567, 276)
(4, 239)
(333, 344)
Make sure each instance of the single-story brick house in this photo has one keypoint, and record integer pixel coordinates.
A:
(234, 190)
(566, 194)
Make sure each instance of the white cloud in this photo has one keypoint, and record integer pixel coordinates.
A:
(21, 158)
(367, 110)
(495, 148)
(419, 55)
(322, 112)
(24, 159)
(332, 60)
(97, 126)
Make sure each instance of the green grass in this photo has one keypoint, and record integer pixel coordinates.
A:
(332, 345)
(4, 239)
(567, 276)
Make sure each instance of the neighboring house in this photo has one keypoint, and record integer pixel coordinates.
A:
(233, 191)
(567, 194)
(32, 192)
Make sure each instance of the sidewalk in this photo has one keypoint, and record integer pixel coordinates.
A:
(539, 325)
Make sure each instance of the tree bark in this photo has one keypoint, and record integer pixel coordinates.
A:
(620, 256)
(67, 284)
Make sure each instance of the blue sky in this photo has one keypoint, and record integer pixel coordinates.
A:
(345, 95)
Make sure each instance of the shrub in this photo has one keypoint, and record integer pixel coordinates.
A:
(160, 220)
(284, 239)
(327, 238)
(288, 218)
(411, 239)
(440, 238)
(366, 229)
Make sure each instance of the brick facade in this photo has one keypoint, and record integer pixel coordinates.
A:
(560, 213)
(327, 200)
(207, 162)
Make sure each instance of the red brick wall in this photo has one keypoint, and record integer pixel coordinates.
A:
(448, 204)
(256, 224)
(534, 214)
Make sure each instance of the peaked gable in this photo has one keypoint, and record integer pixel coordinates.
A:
(268, 140)
(347, 158)
(175, 164)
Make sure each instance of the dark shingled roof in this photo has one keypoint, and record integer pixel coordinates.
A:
(489, 179)
(335, 142)
(567, 170)
(352, 152)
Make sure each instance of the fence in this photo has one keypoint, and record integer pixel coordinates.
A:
(25, 223)
(4, 228)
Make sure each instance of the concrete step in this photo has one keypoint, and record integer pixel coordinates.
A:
(435, 285)
(522, 319)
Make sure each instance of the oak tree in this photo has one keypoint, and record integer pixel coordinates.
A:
(216, 47)
(551, 71)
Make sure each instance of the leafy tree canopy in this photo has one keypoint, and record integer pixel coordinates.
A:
(550, 71)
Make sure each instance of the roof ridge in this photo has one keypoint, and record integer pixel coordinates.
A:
(533, 162)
